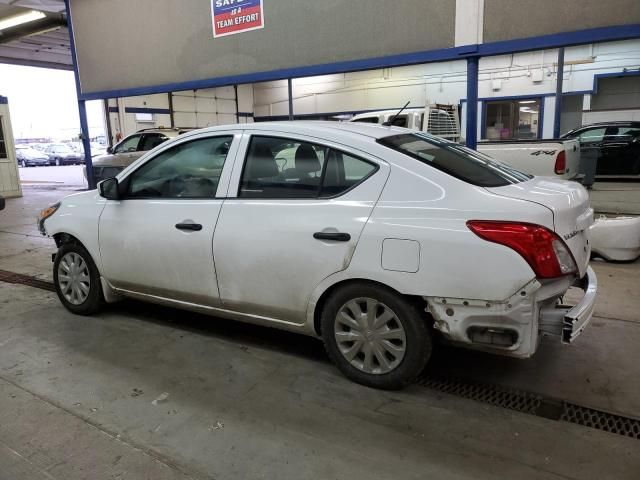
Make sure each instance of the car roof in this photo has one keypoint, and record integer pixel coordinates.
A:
(614, 123)
(311, 127)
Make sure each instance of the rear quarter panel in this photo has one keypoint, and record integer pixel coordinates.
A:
(427, 206)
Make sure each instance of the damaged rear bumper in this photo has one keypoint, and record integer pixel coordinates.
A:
(513, 326)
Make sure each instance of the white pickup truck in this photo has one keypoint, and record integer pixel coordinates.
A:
(558, 158)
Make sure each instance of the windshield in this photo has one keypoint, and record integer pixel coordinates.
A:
(456, 160)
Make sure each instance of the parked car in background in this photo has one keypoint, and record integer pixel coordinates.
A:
(29, 157)
(62, 154)
(96, 148)
(128, 150)
(372, 238)
(558, 158)
(616, 145)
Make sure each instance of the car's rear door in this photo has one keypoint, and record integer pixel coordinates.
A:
(296, 208)
(157, 240)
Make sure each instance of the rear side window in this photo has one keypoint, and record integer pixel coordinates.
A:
(151, 141)
(455, 160)
(286, 168)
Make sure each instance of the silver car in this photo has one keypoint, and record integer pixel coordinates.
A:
(129, 150)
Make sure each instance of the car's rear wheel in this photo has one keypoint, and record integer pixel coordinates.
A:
(375, 336)
(77, 280)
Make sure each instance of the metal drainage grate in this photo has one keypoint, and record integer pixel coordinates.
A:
(20, 279)
(491, 394)
(535, 404)
(629, 427)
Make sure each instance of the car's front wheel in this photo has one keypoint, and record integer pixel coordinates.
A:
(77, 280)
(376, 336)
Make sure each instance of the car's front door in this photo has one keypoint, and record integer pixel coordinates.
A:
(300, 208)
(157, 240)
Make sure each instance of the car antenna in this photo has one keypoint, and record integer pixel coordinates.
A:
(389, 122)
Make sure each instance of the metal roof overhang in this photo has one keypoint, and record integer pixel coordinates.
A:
(40, 43)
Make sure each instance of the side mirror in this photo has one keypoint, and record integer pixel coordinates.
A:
(109, 149)
(109, 189)
(1, 203)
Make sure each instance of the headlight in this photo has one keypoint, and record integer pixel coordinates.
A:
(46, 213)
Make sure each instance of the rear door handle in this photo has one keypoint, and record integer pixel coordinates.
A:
(335, 236)
(194, 227)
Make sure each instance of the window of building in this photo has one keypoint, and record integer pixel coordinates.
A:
(512, 119)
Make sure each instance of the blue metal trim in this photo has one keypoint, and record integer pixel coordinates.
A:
(162, 111)
(471, 133)
(114, 110)
(245, 114)
(4, 100)
(541, 118)
(483, 120)
(593, 35)
(82, 108)
(558, 100)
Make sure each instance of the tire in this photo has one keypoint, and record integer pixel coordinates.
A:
(80, 302)
(405, 330)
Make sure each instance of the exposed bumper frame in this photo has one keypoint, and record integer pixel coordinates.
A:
(578, 317)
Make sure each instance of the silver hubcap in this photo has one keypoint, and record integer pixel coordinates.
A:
(73, 278)
(370, 336)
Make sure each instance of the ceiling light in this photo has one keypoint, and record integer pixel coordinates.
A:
(20, 19)
(527, 101)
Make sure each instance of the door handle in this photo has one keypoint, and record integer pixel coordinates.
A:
(335, 236)
(194, 227)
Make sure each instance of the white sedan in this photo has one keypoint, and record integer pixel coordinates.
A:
(373, 238)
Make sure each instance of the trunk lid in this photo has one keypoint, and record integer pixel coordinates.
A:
(569, 203)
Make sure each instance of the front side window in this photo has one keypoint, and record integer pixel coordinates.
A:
(286, 168)
(188, 170)
(512, 119)
(455, 160)
(129, 144)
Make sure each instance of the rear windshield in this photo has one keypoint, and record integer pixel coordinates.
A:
(456, 160)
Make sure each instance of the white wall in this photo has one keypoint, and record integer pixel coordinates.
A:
(191, 109)
(528, 74)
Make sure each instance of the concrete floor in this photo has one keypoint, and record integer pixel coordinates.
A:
(141, 391)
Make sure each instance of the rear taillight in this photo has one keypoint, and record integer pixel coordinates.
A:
(543, 250)
(561, 163)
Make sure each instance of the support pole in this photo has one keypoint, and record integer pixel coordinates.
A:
(290, 85)
(171, 115)
(472, 102)
(557, 114)
(82, 108)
